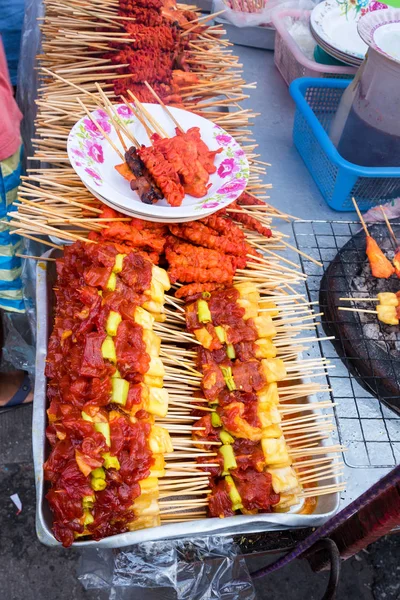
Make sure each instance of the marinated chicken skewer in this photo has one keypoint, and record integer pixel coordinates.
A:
(381, 267)
(396, 258)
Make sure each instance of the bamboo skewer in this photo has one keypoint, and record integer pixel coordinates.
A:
(167, 110)
(388, 225)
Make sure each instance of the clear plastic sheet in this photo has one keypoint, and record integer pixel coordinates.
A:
(187, 569)
(246, 19)
(28, 75)
(18, 349)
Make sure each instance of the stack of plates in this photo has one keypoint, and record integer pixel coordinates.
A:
(334, 27)
(94, 159)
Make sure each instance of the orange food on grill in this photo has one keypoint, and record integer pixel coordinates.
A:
(381, 267)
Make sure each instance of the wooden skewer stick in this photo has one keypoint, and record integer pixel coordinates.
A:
(138, 116)
(35, 257)
(358, 310)
(140, 108)
(117, 124)
(169, 113)
(361, 217)
(110, 111)
(107, 137)
(310, 258)
(319, 491)
(388, 225)
(361, 299)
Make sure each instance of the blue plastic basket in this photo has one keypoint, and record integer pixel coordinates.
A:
(339, 180)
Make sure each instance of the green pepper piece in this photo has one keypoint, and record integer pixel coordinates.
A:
(203, 312)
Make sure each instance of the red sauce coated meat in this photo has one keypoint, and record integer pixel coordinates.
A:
(255, 490)
(131, 350)
(219, 503)
(79, 382)
(223, 308)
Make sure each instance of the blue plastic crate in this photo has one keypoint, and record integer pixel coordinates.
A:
(339, 180)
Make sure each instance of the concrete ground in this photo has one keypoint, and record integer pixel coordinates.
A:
(31, 571)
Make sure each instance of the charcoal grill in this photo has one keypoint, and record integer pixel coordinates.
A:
(368, 428)
(369, 348)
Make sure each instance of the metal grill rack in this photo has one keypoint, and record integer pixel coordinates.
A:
(369, 429)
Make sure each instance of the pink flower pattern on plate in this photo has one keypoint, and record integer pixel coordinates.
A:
(223, 139)
(210, 204)
(93, 174)
(232, 186)
(227, 167)
(92, 129)
(124, 111)
(94, 150)
(376, 6)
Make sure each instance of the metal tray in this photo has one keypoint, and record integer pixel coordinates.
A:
(254, 37)
(327, 505)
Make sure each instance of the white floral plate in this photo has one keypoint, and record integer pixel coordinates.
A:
(137, 215)
(381, 31)
(335, 23)
(94, 159)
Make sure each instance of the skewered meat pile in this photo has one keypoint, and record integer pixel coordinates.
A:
(240, 381)
(204, 254)
(170, 168)
(156, 52)
(105, 385)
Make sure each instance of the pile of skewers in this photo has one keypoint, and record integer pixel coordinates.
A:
(105, 388)
(246, 6)
(204, 255)
(83, 42)
(240, 375)
(243, 400)
(76, 36)
(104, 369)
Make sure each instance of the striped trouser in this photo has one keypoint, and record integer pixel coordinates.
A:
(11, 297)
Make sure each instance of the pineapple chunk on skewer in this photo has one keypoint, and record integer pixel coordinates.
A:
(268, 414)
(264, 326)
(152, 342)
(388, 299)
(387, 314)
(269, 394)
(275, 451)
(284, 479)
(273, 369)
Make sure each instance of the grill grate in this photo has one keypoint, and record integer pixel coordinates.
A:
(369, 429)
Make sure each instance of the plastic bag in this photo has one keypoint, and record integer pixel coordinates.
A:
(18, 348)
(28, 75)
(263, 17)
(187, 569)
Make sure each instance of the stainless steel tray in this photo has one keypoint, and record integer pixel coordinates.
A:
(327, 505)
